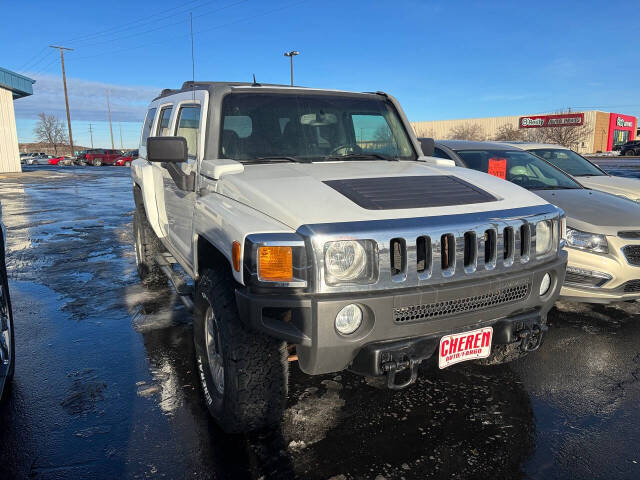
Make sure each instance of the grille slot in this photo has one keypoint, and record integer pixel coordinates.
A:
(508, 241)
(632, 254)
(423, 255)
(525, 242)
(470, 252)
(448, 253)
(629, 235)
(398, 251)
(490, 248)
(632, 286)
(416, 313)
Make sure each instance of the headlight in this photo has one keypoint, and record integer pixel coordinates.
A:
(544, 237)
(593, 242)
(350, 261)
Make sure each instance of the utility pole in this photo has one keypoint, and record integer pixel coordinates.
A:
(110, 126)
(291, 54)
(66, 96)
(91, 133)
(120, 127)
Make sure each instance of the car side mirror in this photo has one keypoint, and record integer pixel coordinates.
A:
(167, 149)
(428, 146)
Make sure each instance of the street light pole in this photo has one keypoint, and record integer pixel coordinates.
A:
(291, 54)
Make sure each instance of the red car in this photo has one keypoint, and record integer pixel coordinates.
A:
(102, 156)
(56, 160)
(126, 158)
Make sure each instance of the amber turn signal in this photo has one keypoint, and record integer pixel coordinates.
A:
(235, 255)
(275, 264)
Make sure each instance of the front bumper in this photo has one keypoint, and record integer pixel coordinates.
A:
(623, 275)
(307, 320)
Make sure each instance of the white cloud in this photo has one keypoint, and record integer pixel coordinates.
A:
(87, 99)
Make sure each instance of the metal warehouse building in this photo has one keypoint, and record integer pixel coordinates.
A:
(12, 87)
(606, 129)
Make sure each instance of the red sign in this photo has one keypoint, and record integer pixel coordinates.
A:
(498, 167)
(561, 120)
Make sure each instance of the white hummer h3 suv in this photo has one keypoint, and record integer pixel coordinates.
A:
(314, 227)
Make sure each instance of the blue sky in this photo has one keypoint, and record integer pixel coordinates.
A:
(441, 59)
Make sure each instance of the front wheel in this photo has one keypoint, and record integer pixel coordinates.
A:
(97, 162)
(7, 344)
(147, 247)
(127, 164)
(243, 373)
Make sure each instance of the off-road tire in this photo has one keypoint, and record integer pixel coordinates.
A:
(255, 365)
(4, 280)
(503, 353)
(147, 246)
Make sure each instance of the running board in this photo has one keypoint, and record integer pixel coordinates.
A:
(182, 288)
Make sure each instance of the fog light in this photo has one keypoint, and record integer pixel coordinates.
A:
(545, 284)
(348, 319)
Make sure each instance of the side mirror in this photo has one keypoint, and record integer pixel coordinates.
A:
(428, 146)
(167, 149)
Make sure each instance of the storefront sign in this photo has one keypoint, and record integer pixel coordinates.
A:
(621, 122)
(561, 120)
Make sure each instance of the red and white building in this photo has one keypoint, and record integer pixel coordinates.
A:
(606, 129)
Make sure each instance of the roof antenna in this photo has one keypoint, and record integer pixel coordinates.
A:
(193, 62)
(255, 84)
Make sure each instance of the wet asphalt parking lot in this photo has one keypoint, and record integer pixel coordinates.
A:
(106, 387)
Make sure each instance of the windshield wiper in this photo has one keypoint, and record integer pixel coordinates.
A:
(276, 157)
(360, 156)
(554, 187)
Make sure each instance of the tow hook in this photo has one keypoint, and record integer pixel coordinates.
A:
(531, 337)
(391, 368)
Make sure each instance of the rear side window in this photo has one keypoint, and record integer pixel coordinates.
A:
(188, 127)
(163, 122)
(148, 123)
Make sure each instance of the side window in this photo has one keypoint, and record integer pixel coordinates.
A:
(188, 127)
(163, 122)
(439, 153)
(148, 123)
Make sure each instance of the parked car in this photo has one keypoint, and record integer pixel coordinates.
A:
(603, 230)
(631, 148)
(309, 240)
(39, 159)
(62, 161)
(7, 347)
(81, 157)
(102, 156)
(126, 158)
(585, 172)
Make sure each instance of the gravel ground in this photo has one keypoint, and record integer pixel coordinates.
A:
(106, 386)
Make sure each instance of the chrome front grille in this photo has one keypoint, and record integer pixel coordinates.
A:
(416, 313)
(460, 252)
(414, 252)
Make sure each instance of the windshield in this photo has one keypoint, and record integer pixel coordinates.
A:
(311, 127)
(521, 168)
(569, 161)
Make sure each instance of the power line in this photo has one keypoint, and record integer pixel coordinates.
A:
(160, 27)
(145, 21)
(171, 39)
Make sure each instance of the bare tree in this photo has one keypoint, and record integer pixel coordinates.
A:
(508, 133)
(51, 130)
(469, 131)
(424, 132)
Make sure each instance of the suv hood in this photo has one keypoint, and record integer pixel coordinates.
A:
(295, 193)
(593, 211)
(627, 187)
